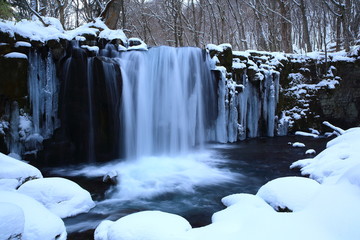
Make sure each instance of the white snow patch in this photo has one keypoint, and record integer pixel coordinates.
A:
(112, 34)
(9, 184)
(40, 223)
(12, 221)
(61, 196)
(14, 169)
(305, 134)
(149, 225)
(139, 44)
(298, 144)
(310, 152)
(22, 44)
(15, 55)
(293, 193)
(94, 49)
(213, 47)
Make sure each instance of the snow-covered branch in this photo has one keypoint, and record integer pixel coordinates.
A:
(337, 129)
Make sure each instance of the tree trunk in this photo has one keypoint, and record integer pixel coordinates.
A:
(286, 27)
(111, 13)
(305, 26)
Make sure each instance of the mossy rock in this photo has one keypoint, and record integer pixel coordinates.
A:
(13, 80)
(89, 37)
(6, 37)
(57, 48)
(5, 49)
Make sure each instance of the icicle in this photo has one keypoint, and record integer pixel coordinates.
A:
(221, 123)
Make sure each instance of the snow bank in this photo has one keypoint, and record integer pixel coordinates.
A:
(61, 196)
(11, 221)
(12, 168)
(289, 193)
(239, 207)
(40, 223)
(340, 156)
(149, 225)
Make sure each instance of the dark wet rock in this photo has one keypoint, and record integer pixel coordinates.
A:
(13, 81)
(226, 57)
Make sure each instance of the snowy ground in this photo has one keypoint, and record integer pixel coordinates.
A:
(326, 206)
(31, 207)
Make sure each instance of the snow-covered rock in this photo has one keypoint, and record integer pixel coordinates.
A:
(149, 225)
(14, 169)
(289, 193)
(310, 152)
(15, 55)
(61, 196)
(298, 144)
(11, 221)
(136, 44)
(239, 207)
(40, 223)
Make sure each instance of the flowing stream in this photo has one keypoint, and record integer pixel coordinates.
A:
(168, 186)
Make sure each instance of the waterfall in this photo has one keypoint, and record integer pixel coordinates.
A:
(89, 105)
(167, 101)
(106, 104)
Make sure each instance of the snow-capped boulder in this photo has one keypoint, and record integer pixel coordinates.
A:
(40, 223)
(298, 144)
(11, 221)
(289, 193)
(310, 152)
(12, 168)
(101, 231)
(61, 196)
(240, 207)
(149, 225)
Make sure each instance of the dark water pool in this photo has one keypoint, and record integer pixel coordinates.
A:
(256, 160)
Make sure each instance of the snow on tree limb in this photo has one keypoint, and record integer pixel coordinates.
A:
(36, 14)
(337, 129)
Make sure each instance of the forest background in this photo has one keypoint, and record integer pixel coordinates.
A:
(269, 25)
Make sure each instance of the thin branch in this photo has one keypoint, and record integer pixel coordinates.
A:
(36, 14)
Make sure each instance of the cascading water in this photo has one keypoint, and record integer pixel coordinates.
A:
(168, 100)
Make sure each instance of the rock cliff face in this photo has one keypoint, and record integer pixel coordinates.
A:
(57, 97)
(312, 90)
(342, 105)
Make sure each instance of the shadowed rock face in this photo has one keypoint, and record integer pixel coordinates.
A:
(89, 118)
(342, 105)
(13, 90)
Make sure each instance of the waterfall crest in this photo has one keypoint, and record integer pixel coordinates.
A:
(167, 100)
